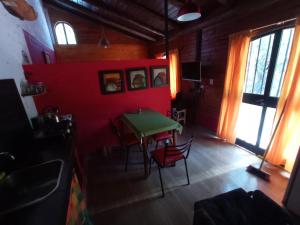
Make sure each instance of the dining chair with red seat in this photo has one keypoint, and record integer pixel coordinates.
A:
(164, 136)
(168, 156)
(126, 140)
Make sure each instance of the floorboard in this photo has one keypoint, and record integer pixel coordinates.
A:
(117, 197)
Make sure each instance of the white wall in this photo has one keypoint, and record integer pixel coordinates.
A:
(39, 28)
(12, 42)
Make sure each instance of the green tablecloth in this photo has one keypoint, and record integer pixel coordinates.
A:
(149, 122)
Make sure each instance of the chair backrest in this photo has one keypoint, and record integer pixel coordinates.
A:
(175, 150)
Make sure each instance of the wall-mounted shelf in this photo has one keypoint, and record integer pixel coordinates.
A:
(32, 89)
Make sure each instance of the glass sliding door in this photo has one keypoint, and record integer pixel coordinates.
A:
(267, 61)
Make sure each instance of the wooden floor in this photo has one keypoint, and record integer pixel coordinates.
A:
(116, 197)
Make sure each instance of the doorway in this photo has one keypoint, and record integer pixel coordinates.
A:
(267, 62)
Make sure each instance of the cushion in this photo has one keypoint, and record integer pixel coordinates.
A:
(162, 136)
(158, 156)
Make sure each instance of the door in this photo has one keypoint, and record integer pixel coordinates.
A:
(267, 62)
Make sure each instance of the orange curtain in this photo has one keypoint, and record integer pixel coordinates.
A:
(174, 72)
(234, 83)
(286, 141)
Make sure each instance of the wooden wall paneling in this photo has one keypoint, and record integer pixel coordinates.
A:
(88, 34)
(102, 17)
(198, 45)
(214, 47)
(87, 31)
(89, 52)
(126, 17)
(140, 6)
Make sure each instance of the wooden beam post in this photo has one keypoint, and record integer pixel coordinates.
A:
(166, 29)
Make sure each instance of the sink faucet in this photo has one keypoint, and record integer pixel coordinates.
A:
(7, 154)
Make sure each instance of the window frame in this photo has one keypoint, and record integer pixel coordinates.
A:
(65, 33)
(249, 97)
(264, 100)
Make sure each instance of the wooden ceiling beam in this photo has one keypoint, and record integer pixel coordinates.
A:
(245, 8)
(121, 16)
(226, 2)
(171, 22)
(87, 13)
(178, 3)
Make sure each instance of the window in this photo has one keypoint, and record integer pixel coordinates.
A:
(259, 63)
(267, 62)
(65, 34)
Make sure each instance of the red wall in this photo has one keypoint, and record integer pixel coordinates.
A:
(37, 49)
(75, 89)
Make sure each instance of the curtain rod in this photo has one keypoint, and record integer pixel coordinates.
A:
(273, 24)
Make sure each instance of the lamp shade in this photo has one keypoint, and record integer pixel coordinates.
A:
(188, 12)
(20, 9)
(104, 43)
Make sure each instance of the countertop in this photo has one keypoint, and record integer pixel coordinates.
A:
(52, 210)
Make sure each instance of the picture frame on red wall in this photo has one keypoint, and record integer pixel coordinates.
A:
(111, 81)
(137, 78)
(159, 76)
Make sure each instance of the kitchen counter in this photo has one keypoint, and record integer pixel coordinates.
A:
(52, 210)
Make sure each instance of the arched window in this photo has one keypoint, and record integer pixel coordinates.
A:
(65, 34)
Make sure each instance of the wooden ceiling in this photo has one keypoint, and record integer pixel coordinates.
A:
(143, 19)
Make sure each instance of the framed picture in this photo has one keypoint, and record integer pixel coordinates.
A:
(159, 76)
(137, 78)
(111, 81)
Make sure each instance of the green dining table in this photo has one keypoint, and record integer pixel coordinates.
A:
(146, 123)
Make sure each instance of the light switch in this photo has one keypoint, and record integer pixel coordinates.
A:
(211, 81)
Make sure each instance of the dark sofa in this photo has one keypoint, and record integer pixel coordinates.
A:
(239, 207)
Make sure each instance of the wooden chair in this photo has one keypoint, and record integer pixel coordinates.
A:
(127, 141)
(180, 116)
(162, 137)
(168, 156)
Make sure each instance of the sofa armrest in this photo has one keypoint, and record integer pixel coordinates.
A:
(268, 210)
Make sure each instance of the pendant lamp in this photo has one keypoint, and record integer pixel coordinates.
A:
(188, 12)
(103, 42)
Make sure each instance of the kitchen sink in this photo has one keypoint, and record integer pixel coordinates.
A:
(30, 185)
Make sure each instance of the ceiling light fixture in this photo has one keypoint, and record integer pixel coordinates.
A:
(103, 42)
(188, 12)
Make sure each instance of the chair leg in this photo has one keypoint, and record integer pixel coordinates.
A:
(140, 148)
(150, 163)
(187, 173)
(161, 182)
(127, 157)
